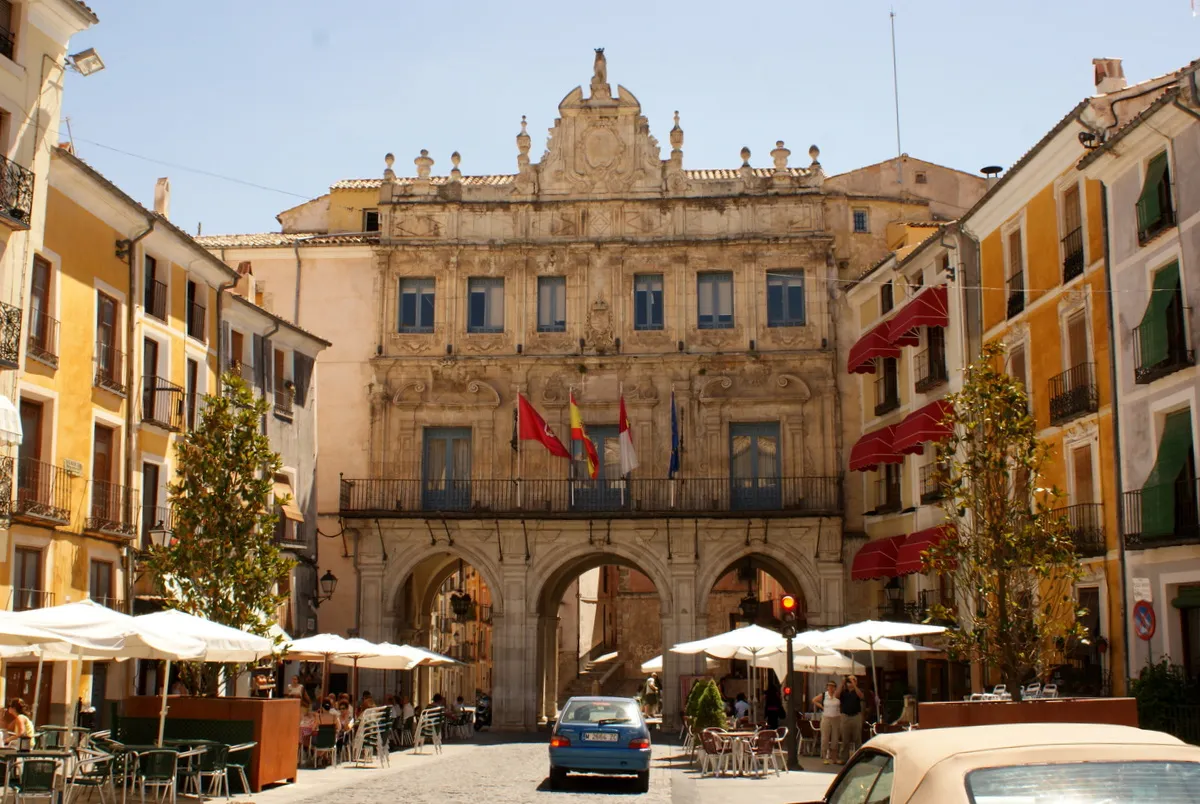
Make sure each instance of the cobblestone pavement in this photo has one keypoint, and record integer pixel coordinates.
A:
(496, 769)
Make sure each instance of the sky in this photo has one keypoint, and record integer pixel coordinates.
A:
(253, 106)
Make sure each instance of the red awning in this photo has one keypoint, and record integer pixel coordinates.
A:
(873, 449)
(876, 559)
(930, 423)
(927, 309)
(870, 346)
(909, 559)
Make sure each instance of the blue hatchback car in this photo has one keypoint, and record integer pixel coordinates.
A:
(600, 735)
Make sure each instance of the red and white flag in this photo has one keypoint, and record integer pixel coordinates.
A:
(534, 428)
(629, 460)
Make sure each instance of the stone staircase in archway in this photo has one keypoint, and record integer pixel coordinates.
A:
(599, 672)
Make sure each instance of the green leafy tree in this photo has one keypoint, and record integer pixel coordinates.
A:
(223, 561)
(1011, 557)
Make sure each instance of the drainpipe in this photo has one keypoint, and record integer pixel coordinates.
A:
(1116, 425)
(130, 375)
(296, 311)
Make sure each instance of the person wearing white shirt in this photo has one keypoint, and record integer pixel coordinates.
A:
(831, 721)
(741, 708)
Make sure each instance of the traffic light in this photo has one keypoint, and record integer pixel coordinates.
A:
(788, 604)
(787, 692)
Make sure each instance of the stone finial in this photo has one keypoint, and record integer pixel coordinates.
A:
(745, 157)
(676, 135)
(388, 173)
(424, 164)
(814, 152)
(523, 145)
(600, 87)
(455, 173)
(780, 156)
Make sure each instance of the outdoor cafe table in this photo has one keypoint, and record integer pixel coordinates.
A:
(741, 747)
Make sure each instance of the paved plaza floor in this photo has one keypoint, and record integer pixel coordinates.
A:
(512, 769)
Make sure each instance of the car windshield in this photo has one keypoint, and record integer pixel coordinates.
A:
(1087, 783)
(600, 712)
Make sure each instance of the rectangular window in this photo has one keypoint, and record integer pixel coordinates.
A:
(552, 304)
(861, 221)
(714, 300)
(196, 309)
(446, 468)
(370, 220)
(1154, 209)
(154, 290)
(1077, 345)
(648, 301)
(1082, 485)
(1016, 367)
(192, 380)
(754, 465)
(887, 298)
(1072, 241)
(485, 305)
(43, 329)
(8, 26)
(1016, 274)
(416, 305)
(785, 299)
(27, 579)
(102, 454)
(31, 427)
(152, 516)
(100, 582)
(1160, 340)
(237, 353)
(108, 354)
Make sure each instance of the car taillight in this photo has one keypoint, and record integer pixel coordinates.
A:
(639, 742)
(558, 741)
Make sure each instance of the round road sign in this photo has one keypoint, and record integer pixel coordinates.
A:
(1144, 623)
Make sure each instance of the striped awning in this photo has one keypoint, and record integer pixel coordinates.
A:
(910, 557)
(877, 559)
(874, 344)
(874, 448)
(930, 423)
(928, 308)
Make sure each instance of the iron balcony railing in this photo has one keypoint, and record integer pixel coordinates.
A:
(43, 492)
(931, 370)
(638, 497)
(108, 601)
(113, 510)
(1085, 523)
(110, 368)
(156, 299)
(887, 394)
(162, 403)
(10, 335)
(1160, 516)
(6, 489)
(1073, 393)
(42, 343)
(1016, 293)
(284, 400)
(16, 190)
(196, 313)
(1164, 221)
(1176, 356)
(240, 369)
(887, 495)
(931, 488)
(1072, 249)
(26, 599)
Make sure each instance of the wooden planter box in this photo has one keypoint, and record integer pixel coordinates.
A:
(273, 723)
(940, 715)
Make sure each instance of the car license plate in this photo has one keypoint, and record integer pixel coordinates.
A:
(599, 737)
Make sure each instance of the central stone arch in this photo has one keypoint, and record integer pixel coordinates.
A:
(787, 563)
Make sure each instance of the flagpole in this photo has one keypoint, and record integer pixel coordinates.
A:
(571, 462)
(520, 454)
(675, 474)
(620, 403)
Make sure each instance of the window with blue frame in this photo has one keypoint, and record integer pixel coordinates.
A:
(785, 299)
(552, 304)
(648, 301)
(416, 305)
(861, 221)
(485, 305)
(714, 300)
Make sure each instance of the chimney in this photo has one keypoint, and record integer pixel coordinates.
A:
(162, 197)
(1110, 75)
(993, 174)
(245, 283)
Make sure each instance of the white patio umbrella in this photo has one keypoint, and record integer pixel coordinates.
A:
(221, 642)
(317, 648)
(86, 620)
(871, 635)
(655, 665)
(836, 663)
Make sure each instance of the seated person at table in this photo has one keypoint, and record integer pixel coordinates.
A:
(326, 716)
(16, 722)
(368, 701)
(741, 709)
(308, 720)
(294, 689)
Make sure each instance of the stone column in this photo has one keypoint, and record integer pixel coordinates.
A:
(682, 624)
(370, 624)
(548, 661)
(514, 636)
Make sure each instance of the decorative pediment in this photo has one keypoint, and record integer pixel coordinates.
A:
(447, 393)
(755, 383)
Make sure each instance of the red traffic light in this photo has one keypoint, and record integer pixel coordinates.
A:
(787, 691)
(788, 603)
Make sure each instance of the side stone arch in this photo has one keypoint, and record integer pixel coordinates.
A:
(397, 570)
(789, 563)
(559, 567)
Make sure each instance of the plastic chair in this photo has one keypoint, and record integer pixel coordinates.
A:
(810, 737)
(93, 771)
(325, 742)
(1034, 690)
(35, 779)
(781, 746)
(717, 754)
(213, 767)
(1050, 691)
(241, 763)
(157, 769)
(1000, 689)
(764, 752)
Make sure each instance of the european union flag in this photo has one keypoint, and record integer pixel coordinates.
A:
(674, 468)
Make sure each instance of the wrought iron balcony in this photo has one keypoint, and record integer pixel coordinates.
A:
(114, 603)
(240, 369)
(1164, 221)
(26, 599)
(931, 489)
(1086, 524)
(284, 399)
(16, 187)
(1176, 356)
(156, 299)
(196, 317)
(10, 336)
(43, 492)
(110, 368)
(42, 343)
(1179, 524)
(1073, 393)
(113, 510)
(6, 490)
(887, 394)
(635, 498)
(1016, 293)
(1072, 249)
(162, 403)
(931, 370)
(887, 495)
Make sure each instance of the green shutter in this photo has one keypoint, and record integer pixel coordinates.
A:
(1149, 210)
(1158, 495)
(1188, 598)
(1152, 332)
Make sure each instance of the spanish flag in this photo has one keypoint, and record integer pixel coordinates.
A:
(579, 434)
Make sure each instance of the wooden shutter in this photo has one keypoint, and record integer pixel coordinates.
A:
(259, 361)
(268, 370)
(226, 347)
(303, 377)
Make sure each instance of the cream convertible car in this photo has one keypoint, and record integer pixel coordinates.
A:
(1029, 763)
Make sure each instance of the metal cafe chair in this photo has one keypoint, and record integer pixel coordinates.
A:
(240, 764)
(35, 779)
(93, 770)
(158, 769)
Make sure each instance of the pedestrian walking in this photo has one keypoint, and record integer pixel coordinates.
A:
(850, 698)
(831, 721)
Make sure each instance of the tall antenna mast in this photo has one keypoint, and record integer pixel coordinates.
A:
(896, 99)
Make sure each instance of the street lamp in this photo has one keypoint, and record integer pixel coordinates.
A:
(85, 62)
(328, 584)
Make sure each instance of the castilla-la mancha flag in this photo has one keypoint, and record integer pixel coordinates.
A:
(629, 460)
(532, 427)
